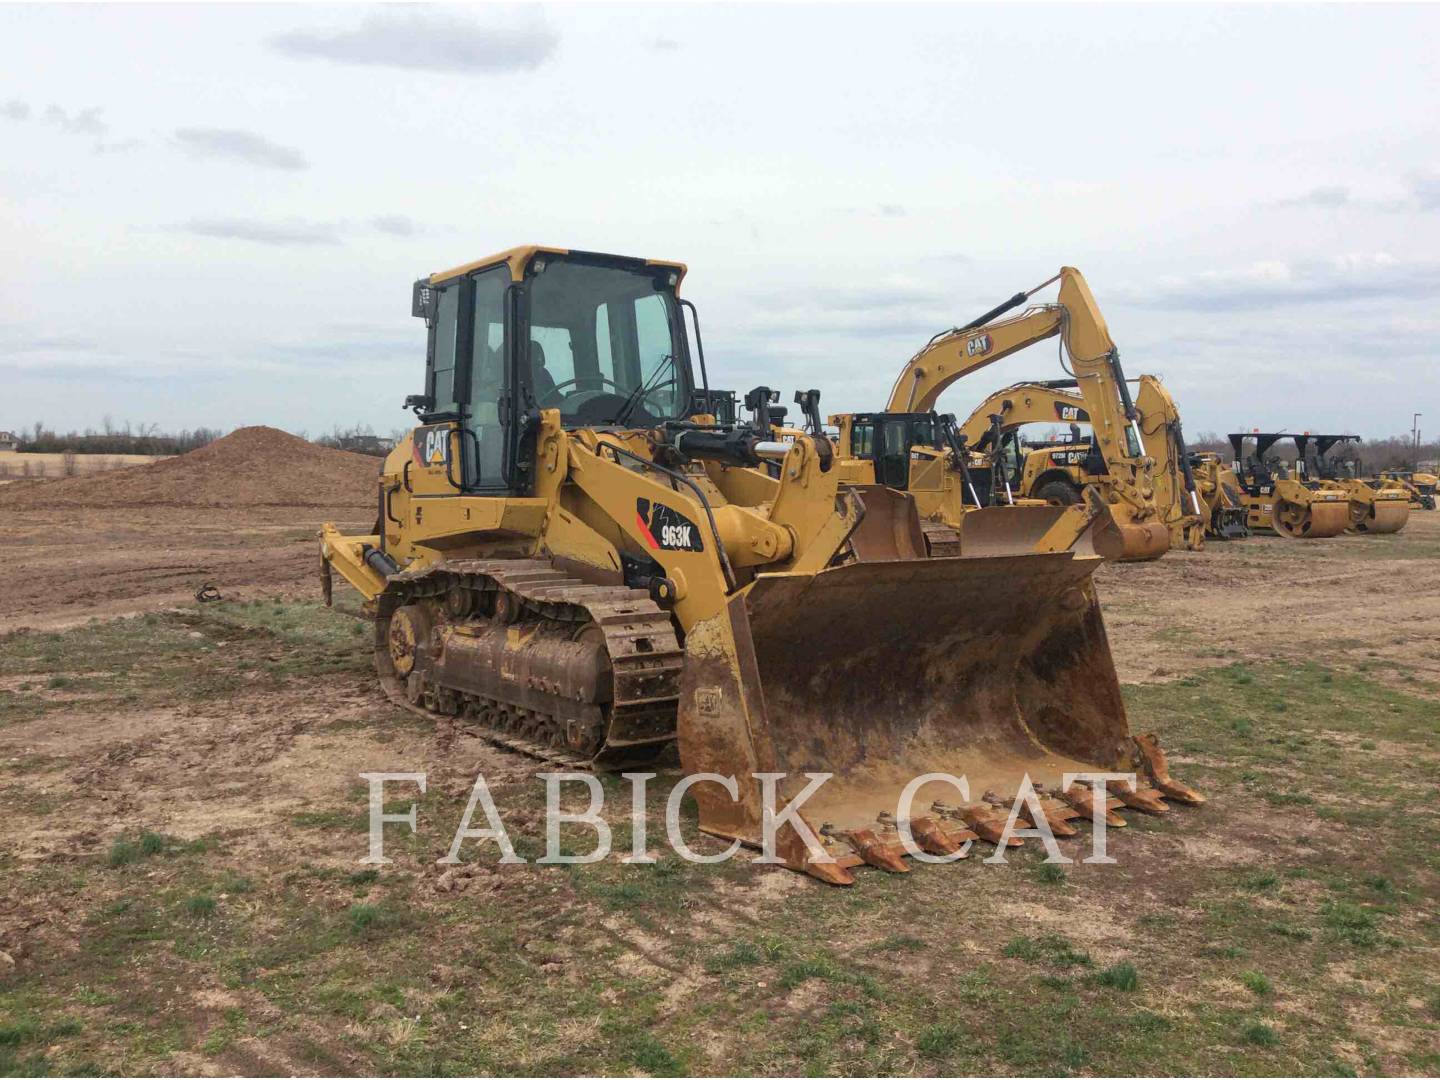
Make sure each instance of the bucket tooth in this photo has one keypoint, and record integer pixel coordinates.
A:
(932, 838)
(1152, 760)
(1136, 799)
(981, 820)
(1084, 799)
(1056, 821)
(868, 845)
(833, 873)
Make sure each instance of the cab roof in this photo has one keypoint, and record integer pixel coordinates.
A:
(518, 258)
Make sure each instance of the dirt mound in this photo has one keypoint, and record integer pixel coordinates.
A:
(254, 466)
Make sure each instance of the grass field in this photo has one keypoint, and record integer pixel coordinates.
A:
(1287, 927)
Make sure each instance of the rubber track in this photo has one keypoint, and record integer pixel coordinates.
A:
(645, 655)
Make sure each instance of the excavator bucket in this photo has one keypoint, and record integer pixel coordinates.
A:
(1130, 541)
(994, 669)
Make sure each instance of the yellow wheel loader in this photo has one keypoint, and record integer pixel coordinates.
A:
(1131, 529)
(1376, 505)
(1419, 487)
(574, 559)
(1279, 502)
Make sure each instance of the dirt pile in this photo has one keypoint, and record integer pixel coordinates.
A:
(254, 466)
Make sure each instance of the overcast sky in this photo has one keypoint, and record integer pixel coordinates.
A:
(212, 216)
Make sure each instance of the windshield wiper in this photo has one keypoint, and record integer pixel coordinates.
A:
(622, 415)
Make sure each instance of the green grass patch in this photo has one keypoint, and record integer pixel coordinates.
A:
(1256, 983)
(1049, 949)
(1122, 976)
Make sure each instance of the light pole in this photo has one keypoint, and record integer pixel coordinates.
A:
(1415, 436)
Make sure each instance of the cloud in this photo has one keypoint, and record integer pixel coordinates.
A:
(663, 44)
(1328, 196)
(1277, 283)
(423, 39)
(1426, 191)
(15, 109)
(81, 122)
(119, 146)
(270, 233)
(396, 225)
(235, 145)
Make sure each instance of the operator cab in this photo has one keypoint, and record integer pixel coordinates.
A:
(600, 338)
(887, 439)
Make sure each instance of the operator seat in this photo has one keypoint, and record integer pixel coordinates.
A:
(542, 384)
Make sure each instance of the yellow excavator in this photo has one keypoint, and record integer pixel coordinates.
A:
(1131, 529)
(574, 559)
(1377, 506)
(1279, 502)
(1059, 472)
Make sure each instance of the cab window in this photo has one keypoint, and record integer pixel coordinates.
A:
(606, 344)
(862, 440)
(442, 364)
(485, 454)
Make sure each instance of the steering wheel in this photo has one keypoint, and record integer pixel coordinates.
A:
(570, 382)
(602, 409)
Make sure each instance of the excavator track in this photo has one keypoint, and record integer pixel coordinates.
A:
(533, 659)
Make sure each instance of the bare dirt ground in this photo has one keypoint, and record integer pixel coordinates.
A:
(180, 888)
(1349, 599)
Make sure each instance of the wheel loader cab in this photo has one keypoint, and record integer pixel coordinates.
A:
(599, 338)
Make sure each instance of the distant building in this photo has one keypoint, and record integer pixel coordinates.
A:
(8, 441)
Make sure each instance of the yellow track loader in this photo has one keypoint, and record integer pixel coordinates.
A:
(921, 455)
(1376, 505)
(1131, 529)
(1279, 502)
(575, 559)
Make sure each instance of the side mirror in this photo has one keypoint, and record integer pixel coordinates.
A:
(420, 402)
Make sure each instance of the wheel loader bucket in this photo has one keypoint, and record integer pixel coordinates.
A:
(994, 669)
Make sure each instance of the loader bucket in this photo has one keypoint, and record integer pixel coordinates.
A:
(1013, 530)
(990, 668)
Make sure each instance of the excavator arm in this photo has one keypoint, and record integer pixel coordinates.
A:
(1076, 317)
(1094, 364)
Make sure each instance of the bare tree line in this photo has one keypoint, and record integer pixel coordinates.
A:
(149, 439)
